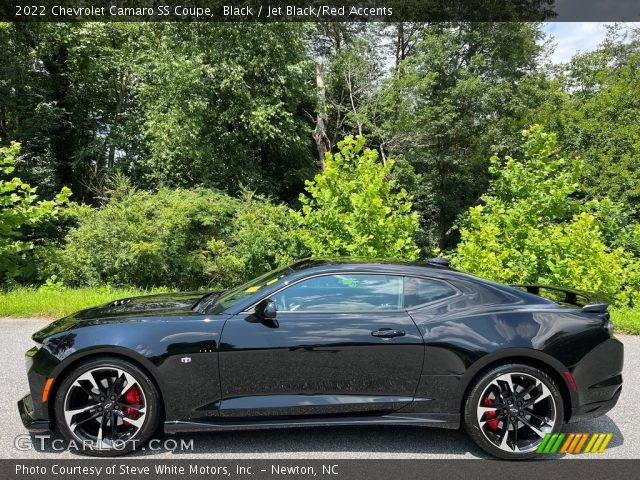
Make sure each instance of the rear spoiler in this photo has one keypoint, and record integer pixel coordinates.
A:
(587, 301)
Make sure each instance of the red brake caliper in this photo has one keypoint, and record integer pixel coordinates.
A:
(490, 414)
(132, 397)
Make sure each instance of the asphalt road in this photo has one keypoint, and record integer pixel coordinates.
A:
(318, 443)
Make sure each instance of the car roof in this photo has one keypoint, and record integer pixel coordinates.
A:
(332, 264)
(321, 261)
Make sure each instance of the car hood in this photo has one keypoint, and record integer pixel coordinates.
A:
(126, 309)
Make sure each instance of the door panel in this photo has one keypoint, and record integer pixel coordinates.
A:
(314, 363)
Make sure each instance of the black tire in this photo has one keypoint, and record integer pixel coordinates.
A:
(151, 402)
(487, 384)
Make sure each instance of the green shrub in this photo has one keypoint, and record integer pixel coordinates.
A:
(530, 228)
(194, 238)
(146, 239)
(20, 213)
(263, 236)
(180, 238)
(353, 208)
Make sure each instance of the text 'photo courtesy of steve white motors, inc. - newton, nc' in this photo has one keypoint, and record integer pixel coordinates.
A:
(166, 469)
(223, 12)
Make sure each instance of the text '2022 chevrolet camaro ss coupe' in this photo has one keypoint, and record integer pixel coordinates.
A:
(329, 342)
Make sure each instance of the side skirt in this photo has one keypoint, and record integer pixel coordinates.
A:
(437, 420)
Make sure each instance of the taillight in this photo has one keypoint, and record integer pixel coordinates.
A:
(608, 326)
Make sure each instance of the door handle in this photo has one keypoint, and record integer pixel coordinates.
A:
(388, 333)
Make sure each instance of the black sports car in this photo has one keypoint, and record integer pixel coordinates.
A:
(329, 342)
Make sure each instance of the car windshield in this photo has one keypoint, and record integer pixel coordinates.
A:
(231, 297)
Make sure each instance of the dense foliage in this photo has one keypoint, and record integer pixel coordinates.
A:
(206, 153)
(594, 107)
(198, 237)
(459, 98)
(209, 104)
(174, 237)
(143, 238)
(530, 228)
(20, 213)
(353, 208)
(263, 236)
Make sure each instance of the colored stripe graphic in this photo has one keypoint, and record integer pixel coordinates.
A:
(550, 443)
(593, 439)
(574, 442)
(605, 442)
(543, 444)
(578, 448)
(599, 440)
(556, 445)
(567, 443)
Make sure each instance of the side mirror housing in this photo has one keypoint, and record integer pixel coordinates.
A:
(266, 309)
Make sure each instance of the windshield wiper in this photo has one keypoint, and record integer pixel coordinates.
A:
(205, 302)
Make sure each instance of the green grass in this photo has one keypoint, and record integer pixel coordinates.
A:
(626, 320)
(55, 303)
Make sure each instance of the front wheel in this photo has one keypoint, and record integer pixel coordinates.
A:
(107, 407)
(511, 408)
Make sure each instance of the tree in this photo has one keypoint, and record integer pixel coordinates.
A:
(28, 111)
(532, 228)
(224, 106)
(353, 209)
(67, 94)
(212, 105)
(595, 111)
(338, 53)
(20, 209)
(458, 97)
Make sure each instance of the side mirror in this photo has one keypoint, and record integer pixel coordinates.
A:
(266, 309)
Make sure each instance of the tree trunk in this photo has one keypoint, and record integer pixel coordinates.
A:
(352, 99)
(120, 86)
(320, 133)
(399, 43)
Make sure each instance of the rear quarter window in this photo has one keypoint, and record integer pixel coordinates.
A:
(418, 291)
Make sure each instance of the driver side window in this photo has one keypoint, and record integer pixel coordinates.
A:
(342, 294)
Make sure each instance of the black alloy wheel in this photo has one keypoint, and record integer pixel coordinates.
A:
(107, 407)
(511, 408)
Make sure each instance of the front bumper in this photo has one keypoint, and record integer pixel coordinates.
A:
(598, 377)
(29, 418)
(33, 412)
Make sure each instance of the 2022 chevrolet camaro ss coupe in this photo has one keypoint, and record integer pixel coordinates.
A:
(329, 342)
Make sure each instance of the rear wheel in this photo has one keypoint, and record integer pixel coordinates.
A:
(511, 408)
(107, 407)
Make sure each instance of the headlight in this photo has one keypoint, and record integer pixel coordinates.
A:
(28, 357)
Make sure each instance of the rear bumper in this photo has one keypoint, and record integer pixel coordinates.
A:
(29, 418)
(593, 410)
(598, 377)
